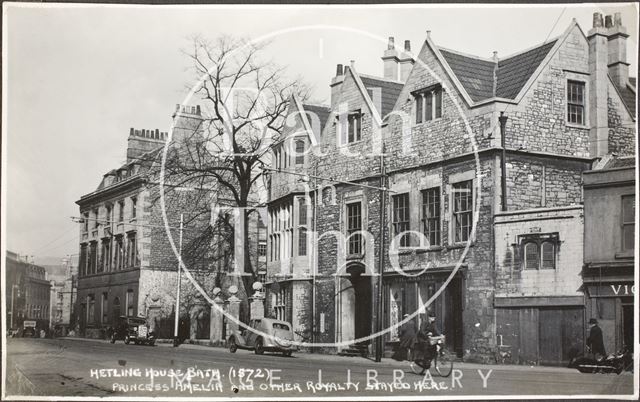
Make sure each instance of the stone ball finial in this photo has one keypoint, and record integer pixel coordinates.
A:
(216, 291)
(257, 286)
(233, 289)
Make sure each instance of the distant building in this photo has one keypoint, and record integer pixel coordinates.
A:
(609, 246)
(28, 293)
(64, 278)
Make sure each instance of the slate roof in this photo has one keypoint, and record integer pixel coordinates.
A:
(484, 79)
(322, 112)
(389, 92)
(475, 75)
(629, 96)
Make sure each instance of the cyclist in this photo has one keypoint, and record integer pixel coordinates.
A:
(427, 330)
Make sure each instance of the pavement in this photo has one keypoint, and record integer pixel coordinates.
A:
(67, 367)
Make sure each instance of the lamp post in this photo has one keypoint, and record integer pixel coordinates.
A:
(177, 308)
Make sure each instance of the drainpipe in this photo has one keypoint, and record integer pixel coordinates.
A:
(383, 209)
(503, 162)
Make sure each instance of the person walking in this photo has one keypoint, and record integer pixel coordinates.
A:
(408, 340)
(595, 341)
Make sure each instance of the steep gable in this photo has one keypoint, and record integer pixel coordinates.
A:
(475, 75)
(514, 72)
(389, 92)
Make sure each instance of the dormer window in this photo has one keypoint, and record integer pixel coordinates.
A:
(428, 103)
(353, 130)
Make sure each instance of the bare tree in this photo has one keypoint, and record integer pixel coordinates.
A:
(244, 99)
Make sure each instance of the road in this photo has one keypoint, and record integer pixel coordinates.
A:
(77, 367)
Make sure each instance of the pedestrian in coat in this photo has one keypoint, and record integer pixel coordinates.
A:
(408, 333)
(595, 341)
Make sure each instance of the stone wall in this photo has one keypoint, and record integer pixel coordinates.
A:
(511, 277)
(622, 133)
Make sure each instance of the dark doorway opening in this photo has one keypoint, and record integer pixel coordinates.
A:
(627, 325)
(362, 292)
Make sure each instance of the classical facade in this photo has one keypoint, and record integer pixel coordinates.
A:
(482, 222)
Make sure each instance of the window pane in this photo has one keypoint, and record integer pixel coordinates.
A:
(531, 256)
(431, 215)
(354, 224)
(419, 106)
(548, 256)
(628, 237)
(438, 96)
(429, 106)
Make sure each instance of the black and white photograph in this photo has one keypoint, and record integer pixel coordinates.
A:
(344, 201)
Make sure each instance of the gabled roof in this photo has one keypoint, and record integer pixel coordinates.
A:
(475, 74)
(389, 92)
(485, 79)
(322, 112)
(513, 72)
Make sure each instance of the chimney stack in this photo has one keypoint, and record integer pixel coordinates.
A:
(336, 83)
(406, 61)
(390, 60)
(617, 59)
(598, 87)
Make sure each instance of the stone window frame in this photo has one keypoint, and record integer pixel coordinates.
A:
(457, 178)
(405, 240)
(357, 196)
(539, 240)
(440, 217)
(85, 222)
(105, 255)
(427, 96)
(627, 223)
(91, 306)
(584, 79)
(282, 232)
(132, 256)
(134, 208)
(301, 224)
(104, 308)
(357, 114)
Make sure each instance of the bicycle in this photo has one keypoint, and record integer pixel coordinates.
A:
(442, 361)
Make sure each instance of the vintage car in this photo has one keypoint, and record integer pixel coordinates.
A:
(264, 334)
(132, 329)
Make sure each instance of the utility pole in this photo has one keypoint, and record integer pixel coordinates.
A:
(383, 211)
(177, 308)
(503, 162)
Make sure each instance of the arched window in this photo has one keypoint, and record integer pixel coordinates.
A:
(531, 256)
(548, 255)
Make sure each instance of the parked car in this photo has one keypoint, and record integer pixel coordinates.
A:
(132, 329)
(278, 337)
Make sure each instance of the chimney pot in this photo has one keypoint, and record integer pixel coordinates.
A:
(608, 21)
(131, 132)
(157, 134)
(352, 63)
(407, 45)
(339, 71)
(597, 20)
(428, 34)
(198, 111)
(617, 19)
(177, 107)
(391, 45)
(495, 55)
(346, 69)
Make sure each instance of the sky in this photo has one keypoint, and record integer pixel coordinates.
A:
(76, 78)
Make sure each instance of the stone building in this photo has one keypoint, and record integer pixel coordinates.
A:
(501, 273)
(28, 293)
(127, 265)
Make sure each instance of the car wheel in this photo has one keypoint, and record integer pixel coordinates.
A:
(113, 338)
(259, 347)
(287, 353)
(127, 340)
(232, 345)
